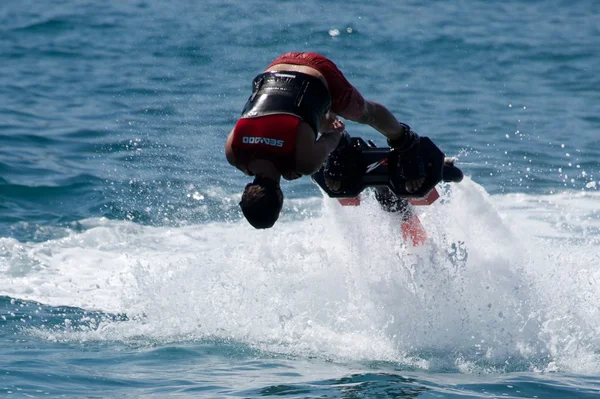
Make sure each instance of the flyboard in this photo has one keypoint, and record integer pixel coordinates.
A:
(367, 166)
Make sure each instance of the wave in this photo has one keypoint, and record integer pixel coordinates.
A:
(506, 283)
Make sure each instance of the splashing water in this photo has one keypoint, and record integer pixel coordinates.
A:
(505, 283)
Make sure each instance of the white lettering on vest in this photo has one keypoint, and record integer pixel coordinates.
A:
(262, 140)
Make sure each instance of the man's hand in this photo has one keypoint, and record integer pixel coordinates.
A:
(336, 126)
(291, 175)
(410, 162)
(414, 185)
(329, 123)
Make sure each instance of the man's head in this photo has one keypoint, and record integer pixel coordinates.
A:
(261, 202)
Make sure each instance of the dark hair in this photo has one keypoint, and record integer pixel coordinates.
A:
(261, 202)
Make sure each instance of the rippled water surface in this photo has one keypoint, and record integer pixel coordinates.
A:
(126, 269)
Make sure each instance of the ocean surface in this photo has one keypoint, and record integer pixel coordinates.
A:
(127, 270)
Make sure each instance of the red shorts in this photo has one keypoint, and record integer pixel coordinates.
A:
(345, 99)
(270, 137)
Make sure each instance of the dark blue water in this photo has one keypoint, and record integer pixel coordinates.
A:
(126, 269)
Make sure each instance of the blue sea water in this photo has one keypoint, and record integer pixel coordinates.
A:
(126, 269)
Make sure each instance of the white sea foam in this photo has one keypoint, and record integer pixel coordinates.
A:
(503, 277)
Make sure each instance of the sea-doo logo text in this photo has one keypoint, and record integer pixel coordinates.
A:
(375, 165)
(262, 140)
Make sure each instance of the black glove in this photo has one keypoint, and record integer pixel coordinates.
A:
(409, 154)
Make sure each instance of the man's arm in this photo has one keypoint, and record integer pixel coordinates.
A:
(228, 150)
(312, 153)
(381, 119)
(230, 155)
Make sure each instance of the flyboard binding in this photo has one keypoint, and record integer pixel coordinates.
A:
(367, 166)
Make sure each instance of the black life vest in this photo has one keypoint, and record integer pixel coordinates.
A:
(289, 92)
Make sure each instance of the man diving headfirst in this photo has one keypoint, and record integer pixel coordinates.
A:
(298, 96)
